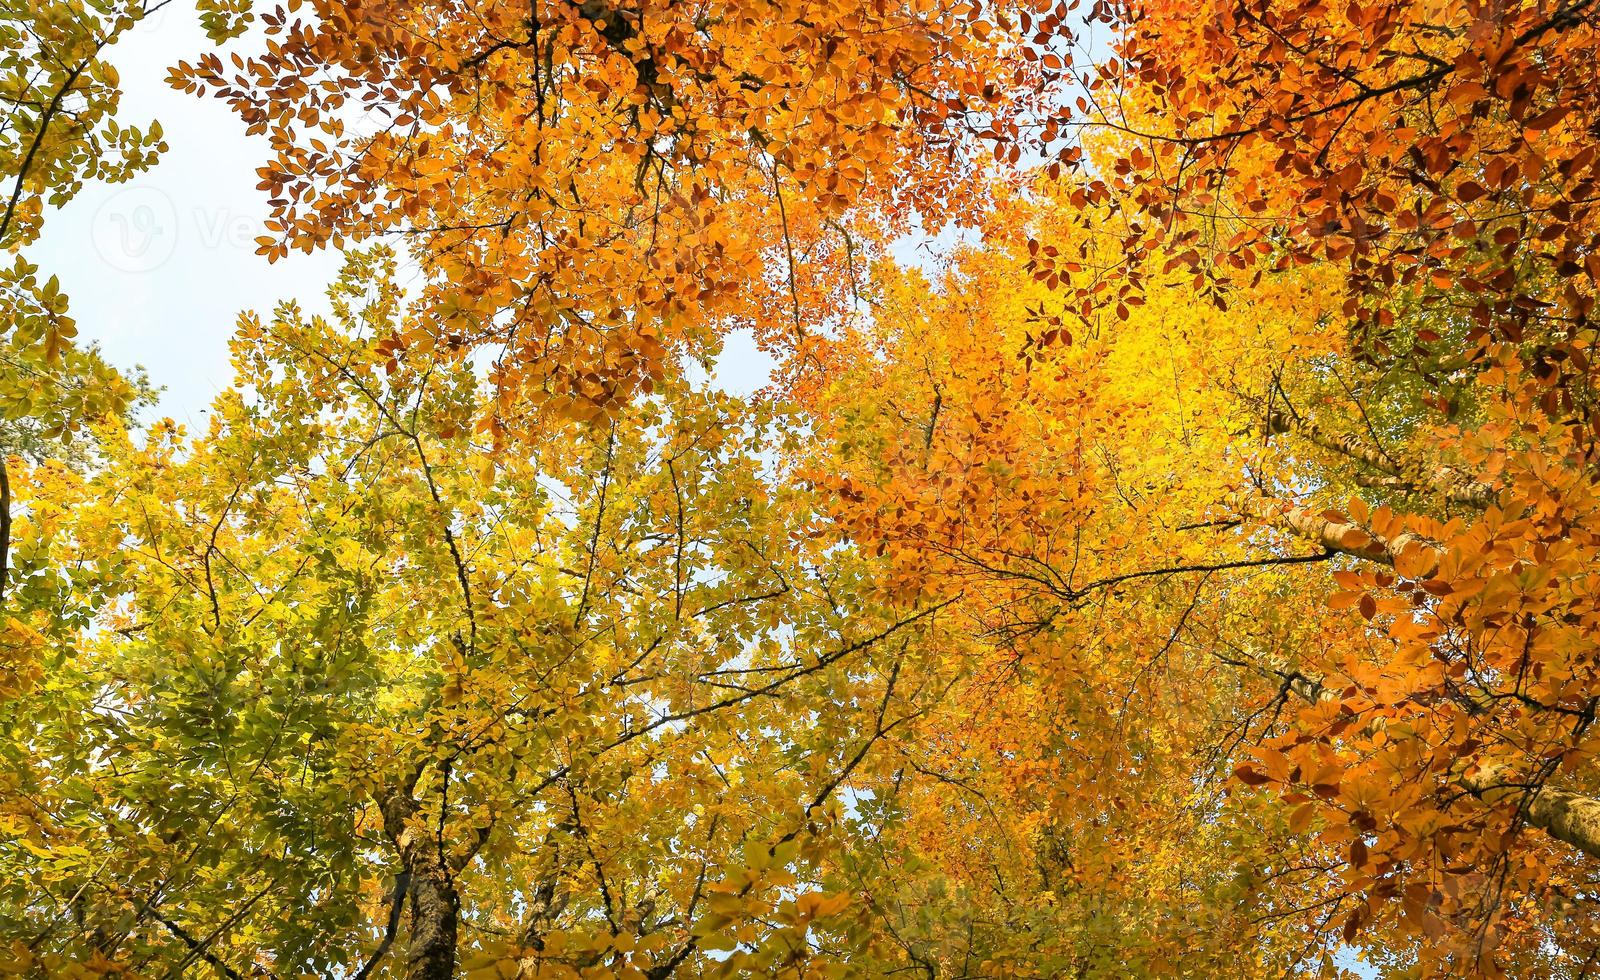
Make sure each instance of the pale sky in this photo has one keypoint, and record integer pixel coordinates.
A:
(159, 268)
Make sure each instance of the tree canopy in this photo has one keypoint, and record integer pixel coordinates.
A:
(1195, 572)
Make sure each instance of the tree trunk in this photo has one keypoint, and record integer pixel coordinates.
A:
(1572, 818)
(1458, 488)
(1342, 536)
(5, 524)
(1568, 817)
(435, 909)
(435, 903)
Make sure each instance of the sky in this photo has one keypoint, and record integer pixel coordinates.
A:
(158, 269)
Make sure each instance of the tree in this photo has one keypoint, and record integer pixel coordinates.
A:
(365, 696)
(1194, 578)
(593, 189)
(60, 130)
(1433, 155)
(1430, 149)
(1239, 532)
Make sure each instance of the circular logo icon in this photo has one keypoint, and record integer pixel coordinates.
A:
(136, 229)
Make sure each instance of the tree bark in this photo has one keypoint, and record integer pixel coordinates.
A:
(435, 911)
(1569, 817)
(435, 902)
(5, 525)
(1455, 487)
(1303, 522)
